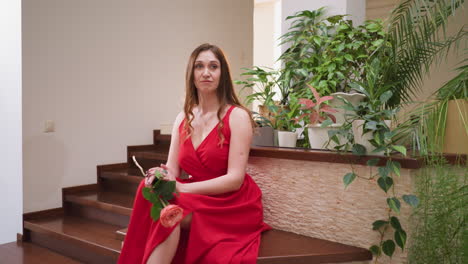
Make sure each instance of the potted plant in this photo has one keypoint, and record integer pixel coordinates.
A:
(262, 82)
(319, 118)
(330, 53)
(264, 132)
(370, 119)
(284, 121)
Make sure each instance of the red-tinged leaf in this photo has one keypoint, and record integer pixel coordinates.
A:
(324, 99)
(328, 109)
(316, 94)
(314, 116)
(307, 103)
(333, 118)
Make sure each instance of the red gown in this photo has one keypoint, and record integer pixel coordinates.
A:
(225, 228)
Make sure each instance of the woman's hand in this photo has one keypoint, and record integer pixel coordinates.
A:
(165, 172)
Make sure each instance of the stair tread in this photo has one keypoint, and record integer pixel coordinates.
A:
(106, 200)
(25, 252)
(150, 154)
(131, 175)
(91, 232)
(282, 244)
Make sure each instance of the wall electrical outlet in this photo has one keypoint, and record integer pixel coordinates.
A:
(49, 126)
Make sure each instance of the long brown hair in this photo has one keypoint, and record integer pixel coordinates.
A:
(225, 90)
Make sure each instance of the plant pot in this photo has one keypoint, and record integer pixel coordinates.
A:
(361, 139)
(287, 139)
(456, 133)
(353, 98)
(318, 136)
(263, 136)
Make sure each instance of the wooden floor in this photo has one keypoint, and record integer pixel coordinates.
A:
(28, 253)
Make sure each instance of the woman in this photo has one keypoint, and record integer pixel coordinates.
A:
(223, 214)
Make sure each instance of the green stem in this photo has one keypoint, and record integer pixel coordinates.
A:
(164, 203)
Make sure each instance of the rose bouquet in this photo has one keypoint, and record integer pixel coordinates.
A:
(159, 193)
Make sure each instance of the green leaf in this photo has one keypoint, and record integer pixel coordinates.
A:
(394, 204)
(156, 211)
(349, 178)
(400, 238)
(348, 57)
(378, 224)
(373, 162)
(371, 125)
(385, 96)
(394, 166)
(149, 195)
(167, 189)
(326, 123)
(359, 150)
(411, 200)
(385, 183)
(400, 149)
(388, 247)
(378, 42)
(383, 172)
(395, 223)
(375, 250)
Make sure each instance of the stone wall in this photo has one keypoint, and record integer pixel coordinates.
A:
(309, 198)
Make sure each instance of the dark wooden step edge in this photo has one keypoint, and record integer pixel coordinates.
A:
(160, 139)
(43, 214)
(121, 178)
(306, 259)
(73, 198)
(139, 148)
(88, 245)
(360, 255)
(79, 189)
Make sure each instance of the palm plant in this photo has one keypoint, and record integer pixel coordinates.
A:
(416, 42)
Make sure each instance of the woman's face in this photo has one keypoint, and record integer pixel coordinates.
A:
(206, 72)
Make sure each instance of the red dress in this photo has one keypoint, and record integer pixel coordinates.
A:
(225, 228)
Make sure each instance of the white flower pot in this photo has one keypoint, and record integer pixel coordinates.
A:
(353, 98)
(318, 136)
(287, 139)
(363, 139)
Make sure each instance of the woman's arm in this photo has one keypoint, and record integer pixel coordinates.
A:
(241, 137)
(172, 164)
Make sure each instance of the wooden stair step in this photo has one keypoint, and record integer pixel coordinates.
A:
(119, 179)
(105, 206)
(148, 158)
(76, 237)
(29, 253)
(105, 200)
(278, 247)
(128, 175)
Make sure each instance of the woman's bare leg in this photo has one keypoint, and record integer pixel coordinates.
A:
(164, 252)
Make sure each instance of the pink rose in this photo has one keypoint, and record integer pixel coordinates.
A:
(171, 215)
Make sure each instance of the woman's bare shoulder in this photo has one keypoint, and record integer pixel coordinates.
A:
(239, 113)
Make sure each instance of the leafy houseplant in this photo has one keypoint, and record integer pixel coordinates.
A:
(327, 52)
(284, 121)
(318, 117)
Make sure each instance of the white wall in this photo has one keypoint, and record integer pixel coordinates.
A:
(11, 194)
(108, 72)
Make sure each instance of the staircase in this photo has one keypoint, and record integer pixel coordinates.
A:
(92, 222)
